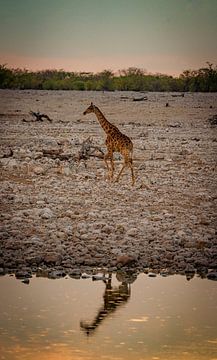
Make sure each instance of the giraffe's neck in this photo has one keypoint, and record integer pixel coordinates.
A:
(105, 124)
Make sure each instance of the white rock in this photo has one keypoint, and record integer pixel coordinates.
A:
(66, 171)
(36, 240)
(12, 163)
(68, 229)
(132, 232)
(40, 203)
(46, 213)
(50, 142)
(38, 170)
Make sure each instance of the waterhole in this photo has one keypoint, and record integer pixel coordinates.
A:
(119, 316)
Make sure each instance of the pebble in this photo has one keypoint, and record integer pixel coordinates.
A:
(26, 281)
(164, 273)
(36, 240)
(75, 272)
(151, 274)
(212, 276)
(22, 274)
(189, 269)
(38, 170)
(85, 276)
(46, 213)
(2, 271)
(56, 274)
(132, 232)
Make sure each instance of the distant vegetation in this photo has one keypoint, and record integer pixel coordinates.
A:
(134, 79)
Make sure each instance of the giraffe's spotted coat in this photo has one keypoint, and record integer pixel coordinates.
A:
(115, 142)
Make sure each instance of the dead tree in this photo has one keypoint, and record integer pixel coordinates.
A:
(86, 151)
(89, 150)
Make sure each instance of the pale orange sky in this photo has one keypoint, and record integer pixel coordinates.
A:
(166, 36)
(96, 64)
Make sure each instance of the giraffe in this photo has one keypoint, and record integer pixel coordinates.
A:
(115, 142)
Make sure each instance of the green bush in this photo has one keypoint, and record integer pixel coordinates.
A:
(78, 85)
(132, 79)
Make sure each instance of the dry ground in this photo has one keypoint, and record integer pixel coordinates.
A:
(66, 216)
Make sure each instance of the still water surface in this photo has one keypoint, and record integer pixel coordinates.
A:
(152, 318)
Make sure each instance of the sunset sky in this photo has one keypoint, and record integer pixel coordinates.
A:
(166, 36)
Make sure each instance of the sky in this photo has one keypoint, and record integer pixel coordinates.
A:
(165, 36)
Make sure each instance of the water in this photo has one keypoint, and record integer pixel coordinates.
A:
(67, 319)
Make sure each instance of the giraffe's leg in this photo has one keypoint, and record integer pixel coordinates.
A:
(109, 156)
(127, 163)
(132, 172)
(121, 171)
(106, 161)
(107, 165)
(112, 168)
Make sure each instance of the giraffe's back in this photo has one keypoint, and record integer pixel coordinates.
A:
(119, 142)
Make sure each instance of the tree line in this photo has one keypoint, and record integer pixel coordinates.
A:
(131, 79)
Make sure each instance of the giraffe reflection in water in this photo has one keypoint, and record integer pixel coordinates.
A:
(114, 297)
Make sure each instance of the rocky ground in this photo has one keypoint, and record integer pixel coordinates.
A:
(64, 217)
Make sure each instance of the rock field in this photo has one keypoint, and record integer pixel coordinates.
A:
(64, 217)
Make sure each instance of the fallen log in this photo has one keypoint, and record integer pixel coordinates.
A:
(178, 95)
(57, 154)
(140, 99)
(86, 151)
(39, 116)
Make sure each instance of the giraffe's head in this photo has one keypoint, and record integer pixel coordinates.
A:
(90, 109)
